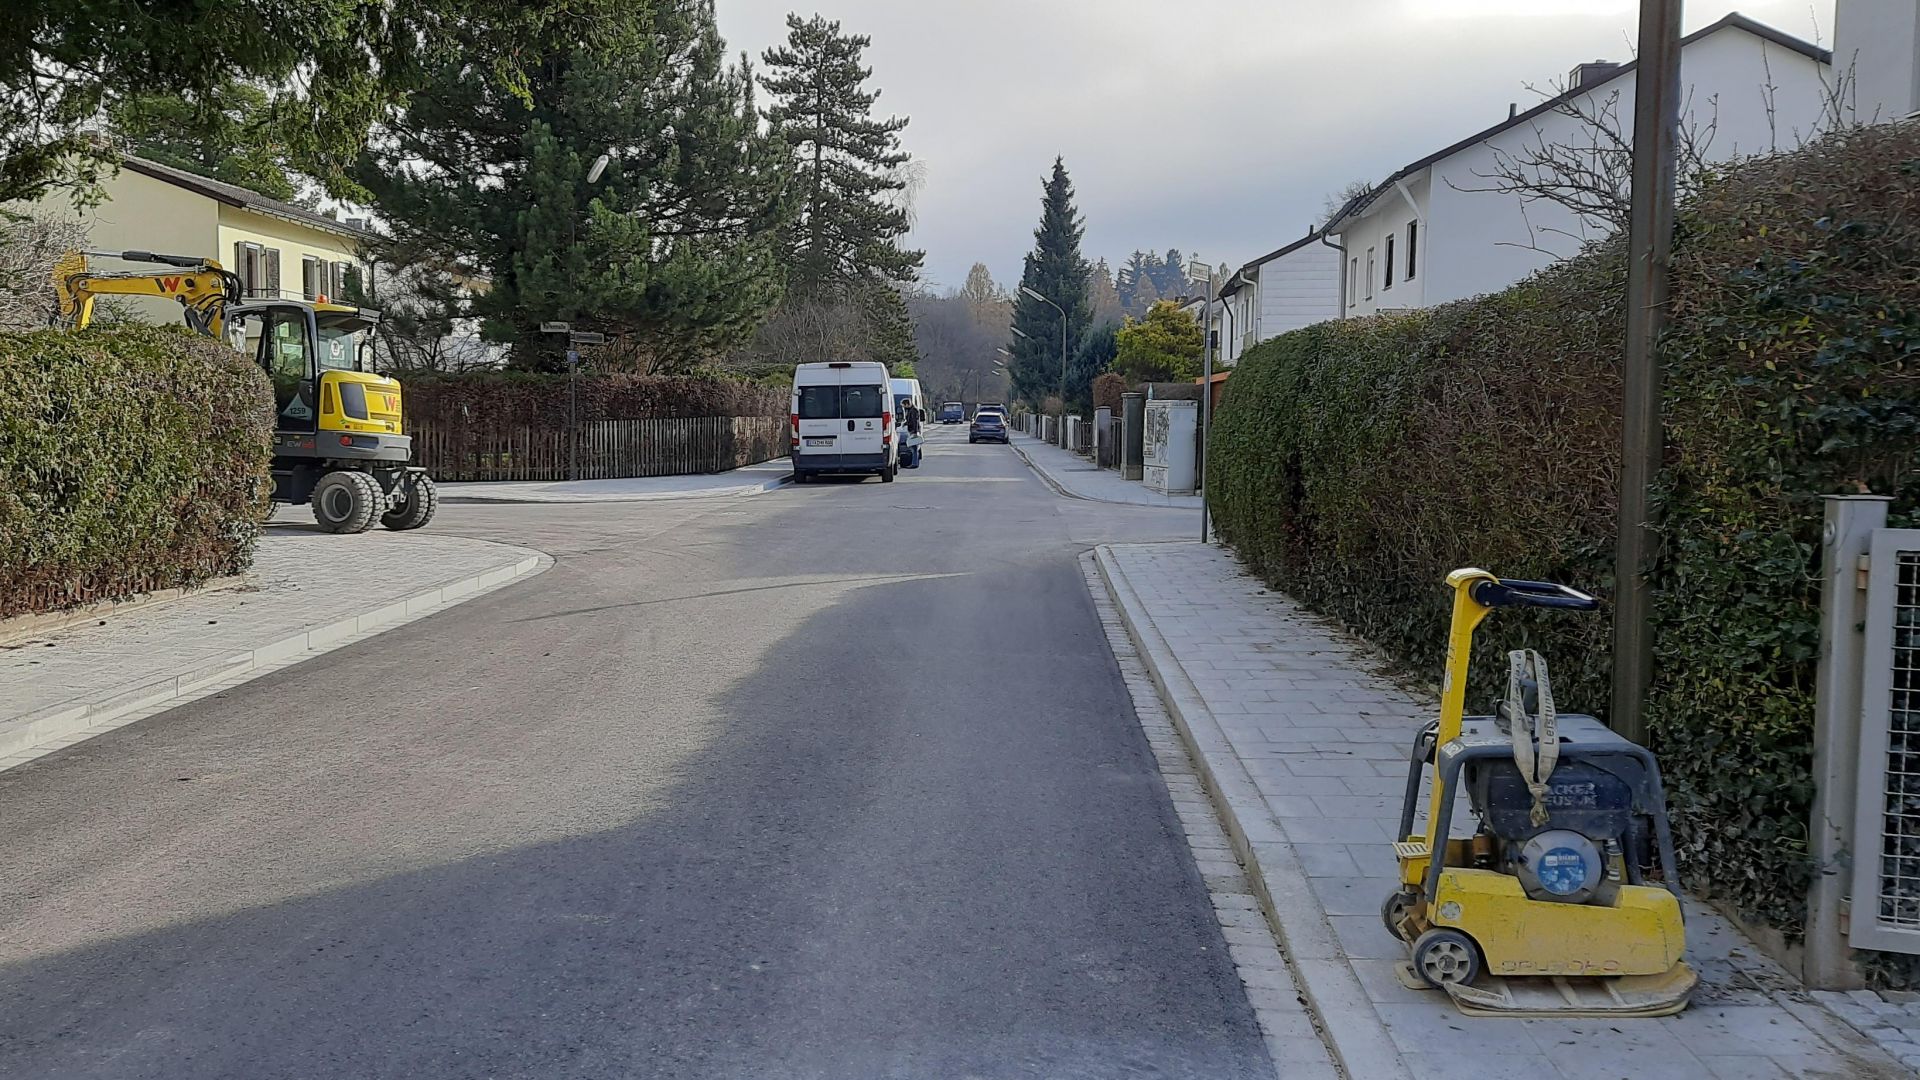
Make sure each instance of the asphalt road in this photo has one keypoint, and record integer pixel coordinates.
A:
(840, 782)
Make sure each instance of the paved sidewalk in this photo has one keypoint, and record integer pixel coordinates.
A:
(1303, 744)
(307, 594)
(1078, 477)
(751, 480)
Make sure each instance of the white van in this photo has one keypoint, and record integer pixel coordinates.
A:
(842, 421)
(907, 392)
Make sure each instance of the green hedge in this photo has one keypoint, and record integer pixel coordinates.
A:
(131, 459)
(1355, 463)
(538, 399)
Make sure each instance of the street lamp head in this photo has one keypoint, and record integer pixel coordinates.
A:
(1035, 295)
(1019, 333)
(599, 167)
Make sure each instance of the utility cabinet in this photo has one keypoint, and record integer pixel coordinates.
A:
(1170, 445)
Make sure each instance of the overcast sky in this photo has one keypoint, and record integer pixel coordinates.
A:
(1215, 126)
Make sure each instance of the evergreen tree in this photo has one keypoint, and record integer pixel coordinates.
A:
(227, 136)
(672, 252)
(1093, 358)
(847, 163)
(889, 327)
(337, 69)
(1055, 270)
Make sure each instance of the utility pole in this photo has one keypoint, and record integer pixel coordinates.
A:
(1656, 127)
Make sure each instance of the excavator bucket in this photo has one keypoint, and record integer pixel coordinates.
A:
(1565, 997)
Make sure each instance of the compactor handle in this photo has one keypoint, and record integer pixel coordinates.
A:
(1540, 594)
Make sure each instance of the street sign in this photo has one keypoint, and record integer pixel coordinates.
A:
(587, 337)
(555, 327)
(573, 356)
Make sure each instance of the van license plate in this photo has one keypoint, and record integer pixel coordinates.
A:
(828, 441)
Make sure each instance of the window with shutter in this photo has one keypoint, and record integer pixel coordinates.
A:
(337, 281)
(312, 276)
(272, 275)
(243, 266)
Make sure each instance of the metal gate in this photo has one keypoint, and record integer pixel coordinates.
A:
(1886, 865)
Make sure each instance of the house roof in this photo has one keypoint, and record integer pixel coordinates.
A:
(1734, 21)
(234, 195)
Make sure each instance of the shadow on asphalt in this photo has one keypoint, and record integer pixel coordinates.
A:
(863, 878)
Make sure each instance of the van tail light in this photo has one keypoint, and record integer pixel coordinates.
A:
(794, 419)
(886, 429)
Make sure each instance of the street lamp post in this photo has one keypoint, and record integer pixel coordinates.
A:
(1196, 268)
(1063, 347)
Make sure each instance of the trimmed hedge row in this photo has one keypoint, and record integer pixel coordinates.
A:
(131, 460)
(538, 399)
(1356, 462)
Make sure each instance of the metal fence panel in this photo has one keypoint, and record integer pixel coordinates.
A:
(605, 449)
(1886, 860)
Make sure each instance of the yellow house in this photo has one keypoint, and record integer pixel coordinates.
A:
(277, 248)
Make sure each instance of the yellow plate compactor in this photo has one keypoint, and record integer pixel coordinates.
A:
(1563, 900)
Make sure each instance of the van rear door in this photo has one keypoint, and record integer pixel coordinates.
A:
(865, 403)
(817, 404)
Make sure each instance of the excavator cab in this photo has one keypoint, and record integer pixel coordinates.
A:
(338, 440)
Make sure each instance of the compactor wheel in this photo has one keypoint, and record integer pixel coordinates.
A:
(1444, 956)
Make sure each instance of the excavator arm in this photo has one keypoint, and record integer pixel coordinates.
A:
(202, 287)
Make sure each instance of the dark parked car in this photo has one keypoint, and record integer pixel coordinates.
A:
(987, 427)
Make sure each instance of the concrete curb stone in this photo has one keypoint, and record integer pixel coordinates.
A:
(31, 735)
(1332, 990)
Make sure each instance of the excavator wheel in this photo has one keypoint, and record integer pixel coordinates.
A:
(414, 501)
(346, 501)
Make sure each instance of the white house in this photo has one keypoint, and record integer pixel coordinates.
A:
(1876, 58)
(1295, 286)
(1435, 231)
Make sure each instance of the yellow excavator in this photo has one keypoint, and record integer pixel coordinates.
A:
(338, 443)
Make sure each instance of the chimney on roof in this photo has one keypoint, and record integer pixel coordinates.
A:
(358, 224)
(1513, 109)
(1591, 74)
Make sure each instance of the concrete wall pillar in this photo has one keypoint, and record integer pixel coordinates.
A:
(1845, 541)
(1133, 427)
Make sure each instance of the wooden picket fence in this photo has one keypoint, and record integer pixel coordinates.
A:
(607, 450)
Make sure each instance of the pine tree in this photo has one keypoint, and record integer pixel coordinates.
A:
(889, 327)
(227, 136)
(1055, 270)
(1093, 358)
(672, 252)
(847, 163)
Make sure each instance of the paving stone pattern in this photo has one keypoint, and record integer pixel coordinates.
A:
(1324, 732)
(302, 579)
(1079, 476)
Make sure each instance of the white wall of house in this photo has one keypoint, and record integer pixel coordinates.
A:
(1760, 98)
(1876, 46)
(1385, 246)
(1297, 289)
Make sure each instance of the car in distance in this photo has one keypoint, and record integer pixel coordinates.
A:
(953, 412)
(987, 426)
